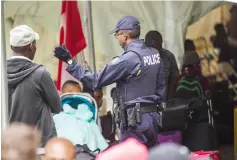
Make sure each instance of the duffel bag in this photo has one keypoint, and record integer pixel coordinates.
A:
(200, 137)
(174, 114)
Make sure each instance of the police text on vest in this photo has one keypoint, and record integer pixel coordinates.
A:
(151, 59)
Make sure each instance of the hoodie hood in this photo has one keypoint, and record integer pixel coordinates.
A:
(19, 69)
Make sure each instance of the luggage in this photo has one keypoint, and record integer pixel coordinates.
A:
(198, 109)
(208, 155)
(200, 136)
(84, 156)
(235, 133)
(172, 136)
(84, 153)
(173, 115)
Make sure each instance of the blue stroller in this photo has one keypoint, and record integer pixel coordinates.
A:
(81, 112)
(84, 152)
(73, 99)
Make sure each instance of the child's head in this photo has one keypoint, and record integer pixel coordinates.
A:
(71, 86)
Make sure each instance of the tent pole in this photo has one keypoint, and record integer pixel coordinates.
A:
(89, 23)
(4, 88)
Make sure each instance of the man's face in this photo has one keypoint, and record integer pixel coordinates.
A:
(120, 36)
(98, 96)
(159, 44)
(192, 70)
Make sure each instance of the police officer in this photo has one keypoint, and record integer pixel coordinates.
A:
(137, 72)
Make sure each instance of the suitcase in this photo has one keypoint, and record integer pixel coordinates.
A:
(201, 135)
(208, 155)
(235, 133)
(172, 136)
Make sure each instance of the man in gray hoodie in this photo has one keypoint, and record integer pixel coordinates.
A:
(32, 93)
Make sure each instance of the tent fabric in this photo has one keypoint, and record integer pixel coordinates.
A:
(202, 34)
(171, 18)
(219, 15)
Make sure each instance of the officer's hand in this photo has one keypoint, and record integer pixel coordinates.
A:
(62, 53)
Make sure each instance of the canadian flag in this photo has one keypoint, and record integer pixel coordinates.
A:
(71, 35)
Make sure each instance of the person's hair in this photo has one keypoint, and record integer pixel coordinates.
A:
(70, 82)
(133, 34)
(86, 89)
(99, 89)
(153, 35)
(22, 138)
(21, 49)
(189, 45)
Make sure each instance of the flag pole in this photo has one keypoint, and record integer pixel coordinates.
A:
(89, 23)
(4, 88)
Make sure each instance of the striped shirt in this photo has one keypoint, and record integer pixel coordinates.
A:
(169, 68)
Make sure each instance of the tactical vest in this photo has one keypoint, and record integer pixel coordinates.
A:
(141, 85)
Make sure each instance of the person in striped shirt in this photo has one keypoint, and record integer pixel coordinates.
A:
(170, 68)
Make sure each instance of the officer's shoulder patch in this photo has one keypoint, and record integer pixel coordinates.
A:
(115, 60)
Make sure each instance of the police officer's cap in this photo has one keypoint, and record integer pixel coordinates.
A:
(126, 23)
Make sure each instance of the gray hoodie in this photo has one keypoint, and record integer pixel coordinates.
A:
(32, 96)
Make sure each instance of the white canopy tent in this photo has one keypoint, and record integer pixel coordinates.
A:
(171, 18)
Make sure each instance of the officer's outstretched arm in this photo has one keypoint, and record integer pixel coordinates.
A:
(117, 69)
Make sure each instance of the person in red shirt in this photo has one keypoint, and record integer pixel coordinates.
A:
(192, 67)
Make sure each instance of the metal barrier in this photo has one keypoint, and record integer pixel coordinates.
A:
(4, 88)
